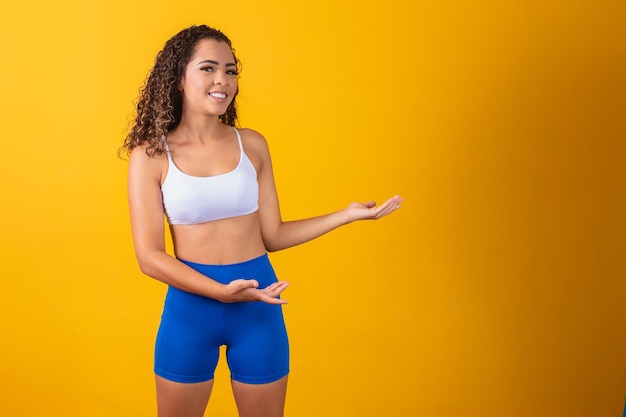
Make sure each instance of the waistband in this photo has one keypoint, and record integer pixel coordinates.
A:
(258, 268)
(258, 260)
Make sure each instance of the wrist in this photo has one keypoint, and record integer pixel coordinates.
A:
(345, 216)
(222, 293)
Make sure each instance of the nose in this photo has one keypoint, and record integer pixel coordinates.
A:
(220, 79)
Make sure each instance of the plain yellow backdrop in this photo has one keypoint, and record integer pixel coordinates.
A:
(496, 291)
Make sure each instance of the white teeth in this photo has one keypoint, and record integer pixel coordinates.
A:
(217, 95)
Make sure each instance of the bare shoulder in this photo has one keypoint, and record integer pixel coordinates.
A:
(254, 144)
(252, 138)
(151, 166)
(139, 154)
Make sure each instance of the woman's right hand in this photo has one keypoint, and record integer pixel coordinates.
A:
(245, 290)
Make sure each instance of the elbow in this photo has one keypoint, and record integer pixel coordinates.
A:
(271, 248)
(144, 266)
(271, 245)
(147, 264)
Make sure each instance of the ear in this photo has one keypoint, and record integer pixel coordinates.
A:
(179, 87)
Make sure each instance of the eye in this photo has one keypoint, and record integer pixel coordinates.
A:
(232, 72)
(207, 69)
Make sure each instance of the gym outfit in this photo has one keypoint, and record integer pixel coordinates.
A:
(194, 327)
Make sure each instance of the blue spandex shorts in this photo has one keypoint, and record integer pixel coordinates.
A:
(194, 327)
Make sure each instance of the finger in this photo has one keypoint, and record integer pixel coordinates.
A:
(275, 284)
(276, 288)
(253, 283)
(388, 207)
(394, 204)
(272, 300)
(242, 284)
(395, 200)
(383, 208)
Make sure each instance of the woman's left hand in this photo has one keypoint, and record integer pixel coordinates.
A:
(369, 210)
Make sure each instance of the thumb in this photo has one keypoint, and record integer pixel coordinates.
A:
(242, 284)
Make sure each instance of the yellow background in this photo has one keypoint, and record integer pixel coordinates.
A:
(497, 290)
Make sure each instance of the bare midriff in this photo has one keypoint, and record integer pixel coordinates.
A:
(219, 242)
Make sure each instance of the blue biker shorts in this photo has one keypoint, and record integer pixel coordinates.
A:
(194, 327)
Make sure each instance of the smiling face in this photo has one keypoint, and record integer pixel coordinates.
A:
(209, 84)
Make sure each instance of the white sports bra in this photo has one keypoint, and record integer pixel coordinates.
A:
(192, 200)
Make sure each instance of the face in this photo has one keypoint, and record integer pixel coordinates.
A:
(210, 81)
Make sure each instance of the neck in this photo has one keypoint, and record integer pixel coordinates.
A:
(200, 128)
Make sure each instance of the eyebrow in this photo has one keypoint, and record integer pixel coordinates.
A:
(210, 61)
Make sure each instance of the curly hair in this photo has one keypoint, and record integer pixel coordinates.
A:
(159, 107)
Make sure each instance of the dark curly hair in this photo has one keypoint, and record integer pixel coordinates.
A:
(159, 106)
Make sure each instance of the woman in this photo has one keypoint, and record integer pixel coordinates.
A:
(214, 183)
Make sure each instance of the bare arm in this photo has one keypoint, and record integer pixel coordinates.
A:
(279, 234)
(146, 216)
